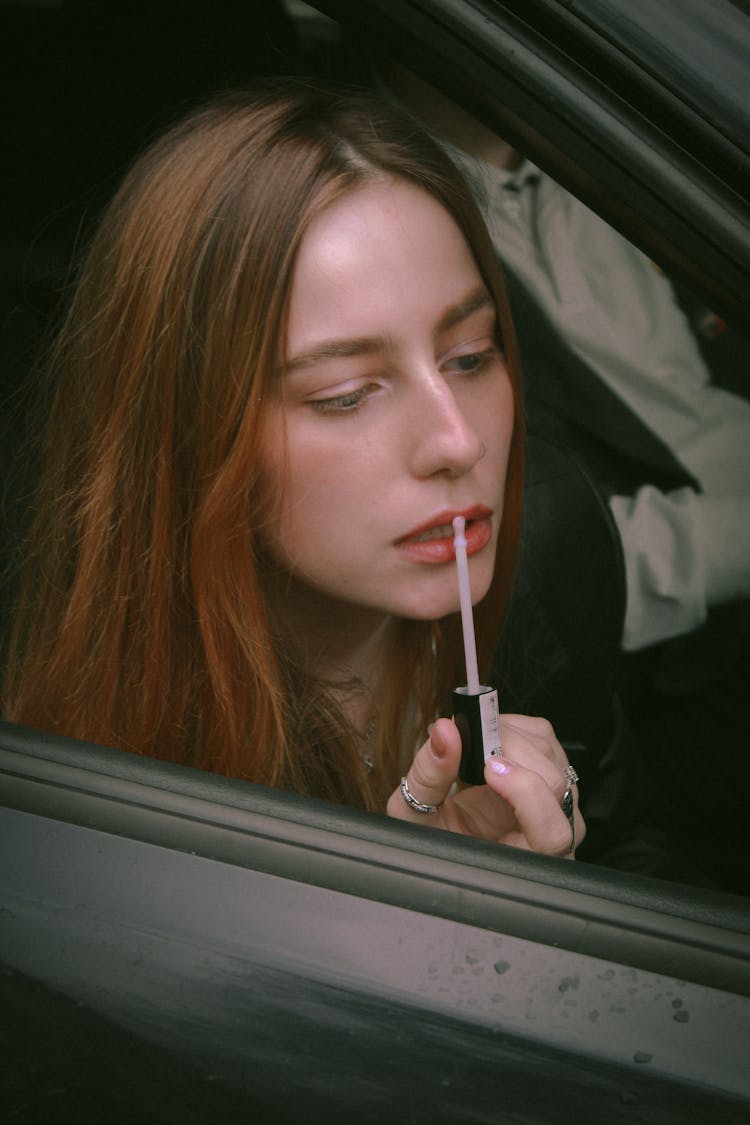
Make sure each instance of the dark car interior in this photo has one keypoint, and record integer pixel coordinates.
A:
(86, 85)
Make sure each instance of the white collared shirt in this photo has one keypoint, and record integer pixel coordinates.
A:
(684, 550)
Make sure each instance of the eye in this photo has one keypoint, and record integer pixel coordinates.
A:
(343, 403)
(472, 363)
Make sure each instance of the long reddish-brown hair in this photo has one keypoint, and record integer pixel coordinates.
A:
(142, 621)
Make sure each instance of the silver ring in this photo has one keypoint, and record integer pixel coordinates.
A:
(568, 804)
(412, 801)
(482, 451)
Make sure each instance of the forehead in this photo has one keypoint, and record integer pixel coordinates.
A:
(385, 252)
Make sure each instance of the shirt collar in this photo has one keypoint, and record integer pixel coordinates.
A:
(490, 181)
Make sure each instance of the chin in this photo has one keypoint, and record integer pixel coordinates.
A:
(439, 606)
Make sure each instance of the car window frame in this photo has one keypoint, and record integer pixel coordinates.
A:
(553, 79)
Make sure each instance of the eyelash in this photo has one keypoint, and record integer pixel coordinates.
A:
(481, 360)
(341, 403)
(352, 400)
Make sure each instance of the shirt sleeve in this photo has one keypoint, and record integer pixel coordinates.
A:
(684, 552)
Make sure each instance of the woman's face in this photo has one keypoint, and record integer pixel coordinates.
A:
(397, 411)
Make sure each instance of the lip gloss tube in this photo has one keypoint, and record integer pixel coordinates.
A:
(476, 711)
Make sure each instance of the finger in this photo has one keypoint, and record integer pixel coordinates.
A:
(534, 732)
(533, 745)
(535, 805)
(432, 773)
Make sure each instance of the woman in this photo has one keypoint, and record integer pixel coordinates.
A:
(287, 365)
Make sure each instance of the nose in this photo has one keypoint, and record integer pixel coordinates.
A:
(442, 438)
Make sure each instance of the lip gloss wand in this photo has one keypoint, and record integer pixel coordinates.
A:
(476, 712)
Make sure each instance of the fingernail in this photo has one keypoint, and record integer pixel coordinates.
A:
(499, 765)
(437, 745)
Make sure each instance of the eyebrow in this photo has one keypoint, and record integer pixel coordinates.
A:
(476, 300)
(368, 345)
(339, 349)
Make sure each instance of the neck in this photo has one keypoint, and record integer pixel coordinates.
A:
(342, 646)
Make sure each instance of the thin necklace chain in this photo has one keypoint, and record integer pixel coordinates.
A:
(367, 738)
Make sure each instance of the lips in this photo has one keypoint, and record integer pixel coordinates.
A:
(432, 542)
(443, 522)
(445, 531)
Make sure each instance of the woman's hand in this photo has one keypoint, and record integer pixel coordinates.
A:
(520, 804)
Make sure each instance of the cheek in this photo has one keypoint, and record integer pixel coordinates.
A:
(302, 489)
